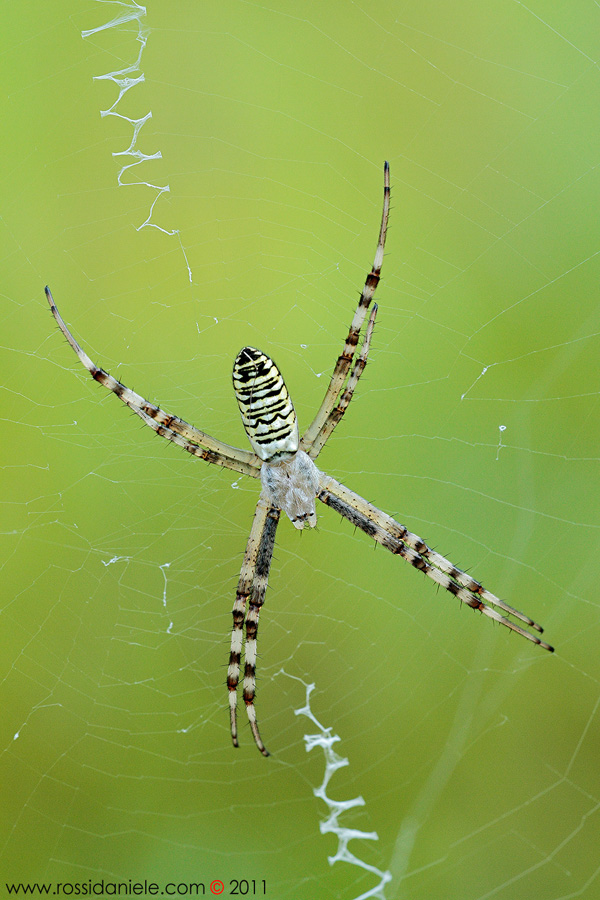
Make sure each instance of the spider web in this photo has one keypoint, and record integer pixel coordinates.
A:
(229, 193)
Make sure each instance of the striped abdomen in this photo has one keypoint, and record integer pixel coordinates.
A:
(267, 411)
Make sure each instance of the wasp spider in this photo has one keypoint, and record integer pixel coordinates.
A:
(291, 482)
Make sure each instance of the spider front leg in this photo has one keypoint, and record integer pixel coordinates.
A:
(255, 602)
(399, 540)
(252, 586)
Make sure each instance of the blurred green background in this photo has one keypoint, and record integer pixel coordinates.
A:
(476, 424)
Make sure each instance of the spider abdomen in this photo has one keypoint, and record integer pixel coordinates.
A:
(289, 477)
(267, 412)
(291, 485)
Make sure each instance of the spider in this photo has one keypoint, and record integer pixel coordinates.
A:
(291, 482)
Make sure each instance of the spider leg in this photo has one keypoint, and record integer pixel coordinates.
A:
(172, 427)
(251, 589)
(255, 602)
(210, 456)
(396, 538)
(338, 411)
(342, 366)
(244, 589)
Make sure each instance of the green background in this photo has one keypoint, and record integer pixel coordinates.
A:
(476, 424)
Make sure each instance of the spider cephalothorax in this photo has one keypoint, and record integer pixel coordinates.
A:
(291, 481)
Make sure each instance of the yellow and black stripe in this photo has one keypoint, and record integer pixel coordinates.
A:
(267, 411)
